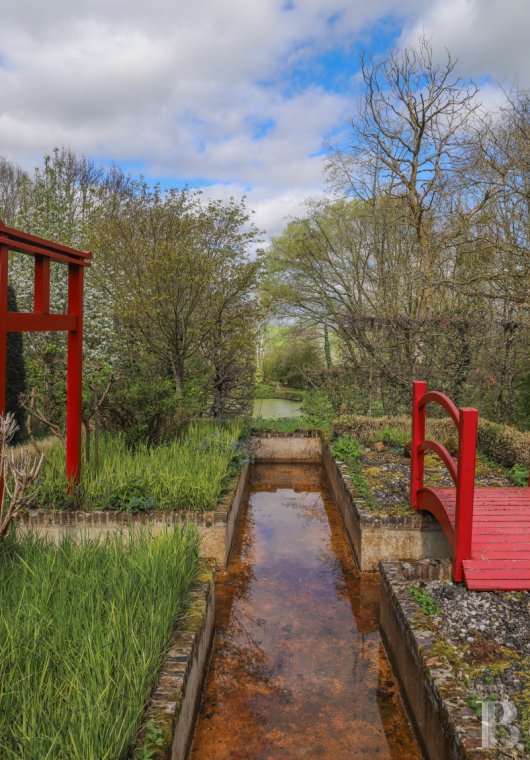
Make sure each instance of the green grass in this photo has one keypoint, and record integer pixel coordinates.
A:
(518, 475)
(84, 628)
(394, 437)
(285, 424)
(189, 473)
(426, 602)
(349, 451)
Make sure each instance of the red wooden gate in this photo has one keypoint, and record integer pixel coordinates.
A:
(41, 320)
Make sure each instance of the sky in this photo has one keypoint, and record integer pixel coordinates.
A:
(236, 97)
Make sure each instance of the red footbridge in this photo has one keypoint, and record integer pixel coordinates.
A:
(488, 529)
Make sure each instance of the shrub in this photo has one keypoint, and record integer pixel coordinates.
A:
(504, 443)
(395, 437)
(518, 475)
(317, 408)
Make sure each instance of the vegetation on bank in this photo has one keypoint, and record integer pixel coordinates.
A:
(85, 627)
(503, 445)
(286, 424)
(190, 472)
(349, 451)
(379, 469)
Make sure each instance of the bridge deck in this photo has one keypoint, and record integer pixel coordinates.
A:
(501, 534)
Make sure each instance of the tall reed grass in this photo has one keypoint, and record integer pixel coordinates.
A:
(189, 473)
(83, 630)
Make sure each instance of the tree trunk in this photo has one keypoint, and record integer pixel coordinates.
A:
(327, 346)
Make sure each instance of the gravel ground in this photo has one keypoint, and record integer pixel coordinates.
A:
(388, 474)
(484, 638)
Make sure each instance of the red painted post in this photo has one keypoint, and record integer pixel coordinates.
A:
(74, 376)
(4, 273)
(41, 292)
(465, 489)
(419, 389)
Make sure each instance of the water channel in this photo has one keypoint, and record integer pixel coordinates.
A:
(298, 669)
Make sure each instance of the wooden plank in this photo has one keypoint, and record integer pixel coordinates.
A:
(498, 564)
(498, 585)
(29, 322)
(501, 537)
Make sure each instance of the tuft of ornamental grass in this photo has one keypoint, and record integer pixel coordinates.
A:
(348, 450)
(84, 627)
(188, 473)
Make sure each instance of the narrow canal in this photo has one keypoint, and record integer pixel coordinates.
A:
(298, 669)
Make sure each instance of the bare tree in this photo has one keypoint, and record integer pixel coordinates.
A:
(405, 143)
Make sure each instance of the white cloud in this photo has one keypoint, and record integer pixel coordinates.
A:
(180, 88)
(489, 37)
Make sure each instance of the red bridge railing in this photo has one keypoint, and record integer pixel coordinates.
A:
(462, 472)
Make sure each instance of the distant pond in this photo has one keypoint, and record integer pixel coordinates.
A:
(269, 408)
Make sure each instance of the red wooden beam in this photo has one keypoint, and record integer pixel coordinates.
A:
(37, 250)
(41, 320)
(444, 455)
(4, 270)
(46, 246)
(444, 401)
(29, 322)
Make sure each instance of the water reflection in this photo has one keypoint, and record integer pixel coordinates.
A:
(270, 408)
(298, 669)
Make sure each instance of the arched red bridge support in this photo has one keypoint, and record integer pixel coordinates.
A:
(41, 320)
(488, 528)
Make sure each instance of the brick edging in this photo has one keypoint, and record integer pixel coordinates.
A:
(173, 703)
(94, 518)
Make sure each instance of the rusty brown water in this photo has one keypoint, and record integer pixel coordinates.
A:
(298, 669)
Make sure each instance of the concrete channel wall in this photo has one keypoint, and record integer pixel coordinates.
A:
(434, 719)
(302, 446)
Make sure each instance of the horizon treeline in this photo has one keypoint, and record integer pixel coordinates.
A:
(417, 263)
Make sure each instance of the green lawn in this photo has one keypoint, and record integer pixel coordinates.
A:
(83, 630)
